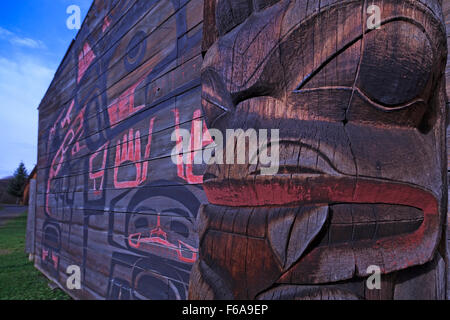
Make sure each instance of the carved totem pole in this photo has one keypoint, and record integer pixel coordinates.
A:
(361, 184)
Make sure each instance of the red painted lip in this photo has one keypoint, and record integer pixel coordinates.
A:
(389, 253)
(320, 189)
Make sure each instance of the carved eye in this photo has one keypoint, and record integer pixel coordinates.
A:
(396, 64)
(395, 67)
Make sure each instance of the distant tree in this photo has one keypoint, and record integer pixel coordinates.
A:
(18, 182)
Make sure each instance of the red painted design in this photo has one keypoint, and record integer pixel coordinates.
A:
(123, 107)
(66, 120)
(100, 172)
(55, 260)
(404, 250)
(44, 254)
(130, 151)
(200, 138)
(159, 237)
(73, 134)
(85, 59)
(53, 132)
(77, 148)
(106, 24)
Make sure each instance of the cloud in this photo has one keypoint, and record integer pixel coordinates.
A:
(14, 39)
(5, 33)
(24, 80)
(27, 42)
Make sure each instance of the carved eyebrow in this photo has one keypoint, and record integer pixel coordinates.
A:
(286, 36)
(311, 75)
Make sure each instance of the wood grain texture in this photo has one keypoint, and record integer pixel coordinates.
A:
(363, 164)
(361, 115)
(109, 197)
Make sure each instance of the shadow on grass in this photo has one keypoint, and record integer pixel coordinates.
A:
(19, 280)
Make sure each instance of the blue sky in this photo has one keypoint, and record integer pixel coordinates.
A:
(33, 40)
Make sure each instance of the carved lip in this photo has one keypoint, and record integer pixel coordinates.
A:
(390, 253)
(287, 169)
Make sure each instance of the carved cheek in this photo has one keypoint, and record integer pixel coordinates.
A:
(396, 64)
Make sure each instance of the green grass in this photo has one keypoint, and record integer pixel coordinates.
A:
(19, 280)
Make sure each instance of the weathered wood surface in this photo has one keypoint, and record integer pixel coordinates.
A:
(109, 198)
(361, 115)
(446, 10)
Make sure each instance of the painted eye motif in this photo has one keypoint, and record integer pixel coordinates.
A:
(141, 223)
(179, 228)
(135, 50)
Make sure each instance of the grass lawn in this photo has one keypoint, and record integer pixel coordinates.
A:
(19, 280)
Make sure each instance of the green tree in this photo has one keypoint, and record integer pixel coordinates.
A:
(18, 182)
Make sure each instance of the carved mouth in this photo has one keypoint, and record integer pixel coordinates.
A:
(373, 222)
(350, 223)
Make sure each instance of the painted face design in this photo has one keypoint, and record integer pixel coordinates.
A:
(51, 246)
(163, 227)
(361, 117)
(160, 244)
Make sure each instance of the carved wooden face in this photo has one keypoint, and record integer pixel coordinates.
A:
(361, 114)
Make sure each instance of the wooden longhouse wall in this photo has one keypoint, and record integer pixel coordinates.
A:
(110, 199)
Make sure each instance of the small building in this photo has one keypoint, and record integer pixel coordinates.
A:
(26, 190)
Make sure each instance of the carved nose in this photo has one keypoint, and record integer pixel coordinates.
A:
(216, 100)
